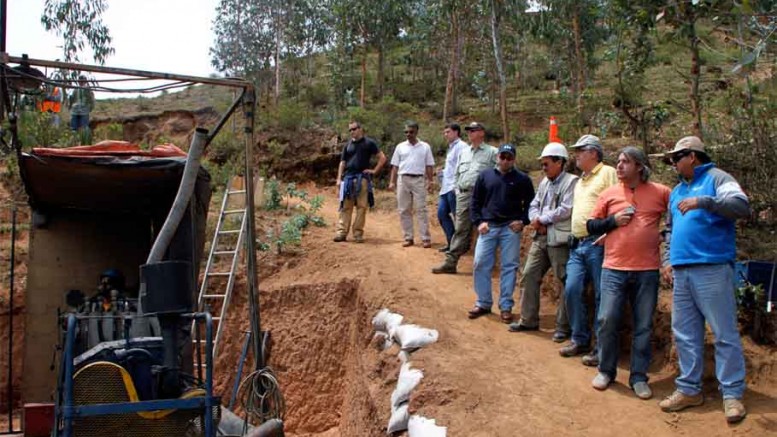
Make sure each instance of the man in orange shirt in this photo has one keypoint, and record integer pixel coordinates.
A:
(627, 216)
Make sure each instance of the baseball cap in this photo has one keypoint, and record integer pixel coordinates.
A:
(507, 148)
(589, 142)
(474, 126)
(691, 143)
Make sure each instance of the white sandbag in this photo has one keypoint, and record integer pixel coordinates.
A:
(381, 341)
(407, 382)
(398, 419)
(385, 320)
(403, 356)
(419, 426)
(414, 336)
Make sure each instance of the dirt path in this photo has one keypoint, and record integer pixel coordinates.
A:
(482, 380)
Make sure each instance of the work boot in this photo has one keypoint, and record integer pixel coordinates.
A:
(560, 336)
(591, 360)
(679, 401)
(573, 349)
(408, 243)
(445, 268)
(734, 409)
(601, 381)
(339, 238)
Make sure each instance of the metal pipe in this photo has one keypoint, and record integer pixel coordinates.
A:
(188, 180)
(240, 365)
(67, 356)
(10, 313)
(230, 82)
(249, 105)
(209, 431)
(225, 117)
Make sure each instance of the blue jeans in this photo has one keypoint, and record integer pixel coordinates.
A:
(485, 255)
(446, 209)
(584, 266)
(706, 292)
(641, 289)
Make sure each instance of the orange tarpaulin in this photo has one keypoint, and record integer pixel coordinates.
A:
(113, 149)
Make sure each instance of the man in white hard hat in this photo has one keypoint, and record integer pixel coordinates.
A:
(585, 257)
(550, 213)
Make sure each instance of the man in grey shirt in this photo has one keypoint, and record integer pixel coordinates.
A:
(473, 160)
(551, 219)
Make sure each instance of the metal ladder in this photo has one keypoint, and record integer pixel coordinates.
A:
(229, 250)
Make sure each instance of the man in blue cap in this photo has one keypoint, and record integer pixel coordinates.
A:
(499, 211)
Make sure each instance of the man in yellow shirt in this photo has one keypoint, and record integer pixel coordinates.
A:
(585, 257)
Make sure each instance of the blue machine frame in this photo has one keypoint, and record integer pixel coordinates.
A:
(66, 411)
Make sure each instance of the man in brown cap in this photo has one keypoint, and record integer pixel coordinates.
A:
(703, 209)
(474, 159)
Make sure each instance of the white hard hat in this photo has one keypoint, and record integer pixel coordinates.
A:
(555, 149)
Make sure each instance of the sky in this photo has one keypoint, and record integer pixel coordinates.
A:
(171, 36)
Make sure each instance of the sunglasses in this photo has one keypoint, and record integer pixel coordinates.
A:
(351, 129)
(409, 132)
(506, 157)
(678, 157)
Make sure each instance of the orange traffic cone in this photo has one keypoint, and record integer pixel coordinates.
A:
(553, 132)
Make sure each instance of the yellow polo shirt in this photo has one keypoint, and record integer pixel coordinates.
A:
(587, 192)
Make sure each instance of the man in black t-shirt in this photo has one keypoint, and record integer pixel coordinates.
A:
(354, 180)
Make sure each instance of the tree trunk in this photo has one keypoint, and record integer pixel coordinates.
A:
(579, 61)
(381, 66)
(364, 77)
(277, 56)
(449, 107)
(500, 72)
(695, 79)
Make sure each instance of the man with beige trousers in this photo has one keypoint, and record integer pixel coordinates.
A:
(412, 170)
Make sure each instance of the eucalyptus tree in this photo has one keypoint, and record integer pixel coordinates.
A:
(79, 23)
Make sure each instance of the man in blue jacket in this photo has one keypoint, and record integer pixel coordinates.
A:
(499, 211)
(703, 209)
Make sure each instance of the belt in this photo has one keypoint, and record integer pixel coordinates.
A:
(575, 241)
(411, 175)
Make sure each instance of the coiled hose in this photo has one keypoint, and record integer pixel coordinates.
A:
(261, 397)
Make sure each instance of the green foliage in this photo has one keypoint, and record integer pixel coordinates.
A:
(292, 115)
(36, 129)
(79, 24)
(110, 131)
(289, 233)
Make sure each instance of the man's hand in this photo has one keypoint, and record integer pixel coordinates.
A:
(666, 273)
(391, 186)
(623, 218)
(688, 204)
(337, 184)
(369, 171)
(483, 228)
(538, 227)
(516, 226)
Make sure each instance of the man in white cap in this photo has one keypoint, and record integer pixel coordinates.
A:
(585, 257)
(703, 208)
(550, 213)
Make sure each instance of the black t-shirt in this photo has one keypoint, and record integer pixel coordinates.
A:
(357, 155)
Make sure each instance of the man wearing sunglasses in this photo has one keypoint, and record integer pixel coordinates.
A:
(499, 211)
(473, 160)
(412, 170)
(704, 207)
(354, 180)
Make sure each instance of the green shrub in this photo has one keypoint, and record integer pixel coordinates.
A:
(110, 131)
(292, 115)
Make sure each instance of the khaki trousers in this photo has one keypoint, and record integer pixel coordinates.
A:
(411, 196)
(462, 237)
(344, 222)
(540, 259)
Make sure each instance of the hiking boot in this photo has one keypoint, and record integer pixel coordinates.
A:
(601, 381)
(642, 390)
(590, 360)
(444, 268)
(339, 238)
(518, 327)
(476, 312)
(506, 316)
(734, 409)
(427, 244)
(407, 243)
(573, 349)
(358, 240)
(679, 401)
(560, 337)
